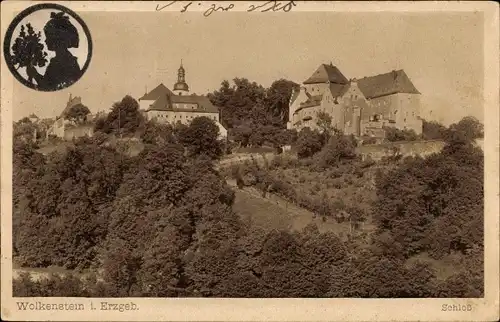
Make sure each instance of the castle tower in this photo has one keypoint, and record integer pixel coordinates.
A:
(181, 87)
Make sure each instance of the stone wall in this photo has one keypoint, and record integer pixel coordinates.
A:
(78, 131)
(407, 148)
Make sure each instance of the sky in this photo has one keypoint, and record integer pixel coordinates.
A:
(442, 53)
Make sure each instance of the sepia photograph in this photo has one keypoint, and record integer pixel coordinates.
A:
(281, 159)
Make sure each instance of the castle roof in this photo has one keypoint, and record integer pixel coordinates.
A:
(168, 103)
(386, 84)
(158, 91)
(314, 100)
(327, 73)
(338, 90)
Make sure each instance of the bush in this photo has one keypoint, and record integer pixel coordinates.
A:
(339, 147)
(433, 130)
(422, 202)
(309, 142)
(393, 134)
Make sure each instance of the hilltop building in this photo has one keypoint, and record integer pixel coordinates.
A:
(357, 106)
(179, 105)
(66, 129)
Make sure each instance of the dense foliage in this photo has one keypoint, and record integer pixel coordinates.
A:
(78, 113)
(393, 134)
(123, 119)
(255, 115)
(162, 223)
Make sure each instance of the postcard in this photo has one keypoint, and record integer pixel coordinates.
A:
(249, 161)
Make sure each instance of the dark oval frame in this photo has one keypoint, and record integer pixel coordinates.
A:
(23, 14)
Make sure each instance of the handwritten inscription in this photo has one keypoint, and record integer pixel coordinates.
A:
(214, 8)
(273, 6)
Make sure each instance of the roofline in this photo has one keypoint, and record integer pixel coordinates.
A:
(391, 93)
(304, 107)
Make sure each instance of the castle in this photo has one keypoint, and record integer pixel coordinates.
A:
(165, 106)
(360, 107)
(65, 129)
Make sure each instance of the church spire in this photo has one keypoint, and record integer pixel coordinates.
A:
(181, 87)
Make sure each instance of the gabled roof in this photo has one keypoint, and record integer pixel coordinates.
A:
(162, 103)
(327, 73)
(310, 102)
(315, 100)
(203, 102)
(167, 103)
(158, 91)
(386, 84)
(338, 90)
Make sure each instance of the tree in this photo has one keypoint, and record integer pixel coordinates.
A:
(324, 122)
(393, 134)
(469, 128)
(78, 113)
(237, 102)
(433, 204)
(124, 118)
(28, 49)
(241, 134)
(339, 147)
(201, 137)
(432, 130)
(278, 98)
(26, 131)
(309, 142)
(62, 207)
(156, 133)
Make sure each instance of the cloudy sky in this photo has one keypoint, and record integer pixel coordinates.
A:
(442, 53)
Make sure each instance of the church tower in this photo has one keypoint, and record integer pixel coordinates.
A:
(181, 88)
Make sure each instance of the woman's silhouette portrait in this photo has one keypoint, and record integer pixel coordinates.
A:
(46, 63)
(63, 70)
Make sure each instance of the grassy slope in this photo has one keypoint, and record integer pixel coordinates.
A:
(273, 212)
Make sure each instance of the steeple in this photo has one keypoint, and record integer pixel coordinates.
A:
(181, 87)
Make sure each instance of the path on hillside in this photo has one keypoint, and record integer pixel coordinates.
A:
(298, 217)
(291, 208)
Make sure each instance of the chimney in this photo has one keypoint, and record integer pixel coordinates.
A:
(70, 97)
